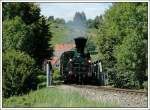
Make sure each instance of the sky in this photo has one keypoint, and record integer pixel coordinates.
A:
(67, 10)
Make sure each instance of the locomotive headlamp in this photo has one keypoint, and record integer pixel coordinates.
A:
(70, 59)
(70, 72)
(89, 61)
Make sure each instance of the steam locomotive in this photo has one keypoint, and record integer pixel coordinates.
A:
(77, 66)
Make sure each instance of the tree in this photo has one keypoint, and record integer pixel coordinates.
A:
(14, 33)
(37, 41)
(122, 40)
(29, 12)
(134, 56)
(59, 21)
(90, 23)
(79, 20)
(29, 33)
(19, 73)
(25, 46)
(90, 45)
(51, 18)
(97, 21)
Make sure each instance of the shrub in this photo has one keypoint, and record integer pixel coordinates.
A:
(42, 81)
(19, 73)
(56, 74)
(42, 85)
(42, 78)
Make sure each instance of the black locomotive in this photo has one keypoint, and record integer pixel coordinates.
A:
(77, 66)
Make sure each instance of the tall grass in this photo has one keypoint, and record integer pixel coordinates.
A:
(53, 97)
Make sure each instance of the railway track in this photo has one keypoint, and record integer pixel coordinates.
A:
(117, 90)
(122, 97)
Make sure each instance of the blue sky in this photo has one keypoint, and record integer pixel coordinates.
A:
(67, 10)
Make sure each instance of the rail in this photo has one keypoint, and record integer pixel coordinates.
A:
(119, 90)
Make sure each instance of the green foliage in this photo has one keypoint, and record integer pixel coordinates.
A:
(26, 33)
(90, 23)
(54, 97)
(123, 43)
(29, 12)
(56, 74)
(42, 85)
(59, 21)
(90, 45)
(65, 33)
(42, 81)
(37, 41)
(19, 73)
(97, 21)
(14, 33)
(26, 37)
(42, 77)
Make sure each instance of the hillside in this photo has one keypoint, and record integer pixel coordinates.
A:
(64, 34)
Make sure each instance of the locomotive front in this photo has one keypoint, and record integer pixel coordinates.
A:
(80, 65)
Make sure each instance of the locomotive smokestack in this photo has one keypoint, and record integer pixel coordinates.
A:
(80, 44)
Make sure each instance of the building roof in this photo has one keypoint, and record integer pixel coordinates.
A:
(59, 49)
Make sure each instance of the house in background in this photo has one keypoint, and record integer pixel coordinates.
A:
(58, 50)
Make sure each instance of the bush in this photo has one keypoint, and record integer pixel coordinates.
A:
(42, 85)
(42, 78)
(19, 73)
(56, 74)
(42, 81)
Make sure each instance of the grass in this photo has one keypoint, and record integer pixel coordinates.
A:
(52, 97)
